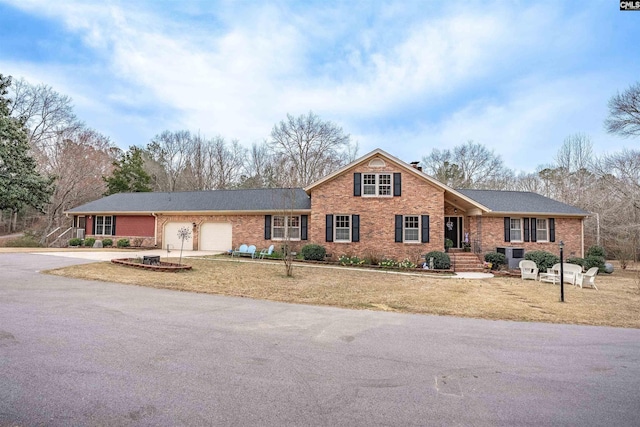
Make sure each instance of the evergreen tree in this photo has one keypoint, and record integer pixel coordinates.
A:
(129, 175)
(20, 184)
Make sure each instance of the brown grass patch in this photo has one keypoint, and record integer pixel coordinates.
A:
(617, 303)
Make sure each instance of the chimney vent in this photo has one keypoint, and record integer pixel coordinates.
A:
(415, 166)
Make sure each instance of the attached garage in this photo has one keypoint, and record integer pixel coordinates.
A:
(216, 236)
(170, 236)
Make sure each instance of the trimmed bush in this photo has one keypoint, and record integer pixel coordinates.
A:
(594, 261)
(75, 242)
(123, 243)
(107, 242)
(543, 259)
(441, 260)
(496, 259)
(596, 251)
(89, 241)
(576, 260)
(313, 252)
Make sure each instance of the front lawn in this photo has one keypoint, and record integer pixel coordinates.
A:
(616, 303)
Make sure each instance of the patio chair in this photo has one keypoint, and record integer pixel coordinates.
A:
(266, 252)
(528, 270)
(251, 251)
(588, 278)
(240, 251)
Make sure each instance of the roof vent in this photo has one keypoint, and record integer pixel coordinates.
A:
(415, 166)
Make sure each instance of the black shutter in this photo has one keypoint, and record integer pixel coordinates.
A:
(113, 226)
(398, 228)
(304, 221)
(425, 228)
(525, 225)
(329, 229)
(552, 230)
(355, 228)
(534, 230)
(397, 184)
(356, 184)
(93, 225)
(507, 229)
(267, 227)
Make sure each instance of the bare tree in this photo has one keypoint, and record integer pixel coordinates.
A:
(314, 148)
(469, 165)
(47, 114)
(624, 112)
(78, 160)
(227, 162)
(171, 150)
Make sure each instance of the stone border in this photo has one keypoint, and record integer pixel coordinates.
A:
(164, 266)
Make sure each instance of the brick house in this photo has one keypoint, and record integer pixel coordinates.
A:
(377, 205)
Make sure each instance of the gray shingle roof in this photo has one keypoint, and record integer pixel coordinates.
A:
(263, 199)
(520, 202)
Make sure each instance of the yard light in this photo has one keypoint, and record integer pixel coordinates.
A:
(561, 271)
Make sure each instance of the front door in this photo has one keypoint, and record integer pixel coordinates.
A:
(453, 230)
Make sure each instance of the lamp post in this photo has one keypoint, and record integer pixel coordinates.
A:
(561, 271)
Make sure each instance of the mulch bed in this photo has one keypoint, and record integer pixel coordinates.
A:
(162, 266)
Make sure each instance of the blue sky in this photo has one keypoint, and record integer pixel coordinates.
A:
(516, 76)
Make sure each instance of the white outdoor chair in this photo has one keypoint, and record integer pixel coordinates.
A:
(528, 270)
(588, 278)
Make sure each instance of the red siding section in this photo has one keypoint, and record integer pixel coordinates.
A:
(141, 226)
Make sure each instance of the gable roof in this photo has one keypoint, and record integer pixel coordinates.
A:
(262, 199)
(417, 172)
(521, 202)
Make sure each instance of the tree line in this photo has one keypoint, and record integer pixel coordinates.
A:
(77, 164)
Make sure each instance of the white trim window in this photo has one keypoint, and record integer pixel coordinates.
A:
(377, 184)
(515, 230)
(104, 225)
(285, 227)
(411, 231)
(342, 228)
(542, 230)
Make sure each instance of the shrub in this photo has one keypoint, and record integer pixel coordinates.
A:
(350, 260)
(594, 261)
(496, 259)
(441, 260)
(123, 243)
(107, 242)
(26, 241)
(89, 241)
(543, 259)
(313, 252)
(576, 260)
(406, 264)
(596, 251)
(373, 258)
(75, 242)
(387, 263)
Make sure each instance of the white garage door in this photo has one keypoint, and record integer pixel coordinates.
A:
(170, 236)
(215, 236)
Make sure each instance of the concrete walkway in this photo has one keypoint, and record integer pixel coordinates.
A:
(108, 256)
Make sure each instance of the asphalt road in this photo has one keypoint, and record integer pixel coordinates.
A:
(76, 352)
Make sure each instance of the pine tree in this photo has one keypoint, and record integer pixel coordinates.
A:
(129, 175)
(20, 184)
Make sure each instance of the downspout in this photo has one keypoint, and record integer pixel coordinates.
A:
(155, 229)
(582, 223)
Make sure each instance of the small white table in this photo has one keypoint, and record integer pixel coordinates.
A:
(550, 277)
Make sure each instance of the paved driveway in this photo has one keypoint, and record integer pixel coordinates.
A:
(76, 352)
